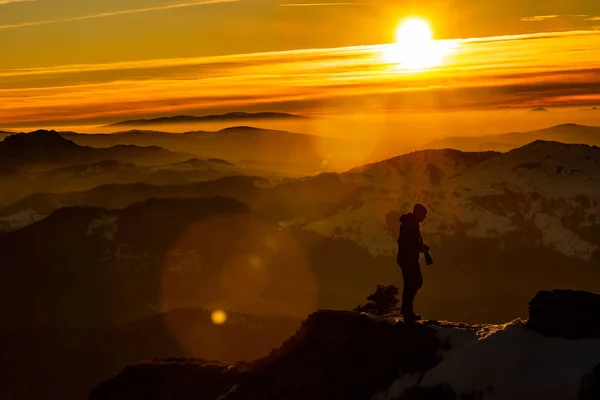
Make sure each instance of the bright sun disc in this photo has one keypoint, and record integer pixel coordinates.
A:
(414, 31)
(415, 48)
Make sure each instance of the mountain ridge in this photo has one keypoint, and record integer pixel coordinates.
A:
(567, 133)
(232, 116)
(43, 147)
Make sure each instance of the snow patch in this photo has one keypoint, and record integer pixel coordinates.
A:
(563, 240)
(19, 220)
(105, 226)
(292, 223)
(365, 225)
(514, 362)
(266, 183)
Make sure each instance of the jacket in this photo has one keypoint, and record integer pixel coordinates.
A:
(409, 239)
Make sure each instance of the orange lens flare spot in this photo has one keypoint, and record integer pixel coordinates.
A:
(218, 317)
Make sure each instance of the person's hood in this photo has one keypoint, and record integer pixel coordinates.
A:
(408, 217)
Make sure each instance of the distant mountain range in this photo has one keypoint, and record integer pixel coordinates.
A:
(265, 151)
(49, 149)
(276, 153)
(46, 161)
(186, 119)
(566, 133)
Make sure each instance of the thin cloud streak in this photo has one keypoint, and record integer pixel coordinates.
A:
(2, 2)
(318, 4)
(523, 70)
(116, 13)
(539, 18)
(300, 54)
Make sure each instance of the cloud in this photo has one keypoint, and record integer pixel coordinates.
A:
(115, 13)
(14, 1)
(593, 19)
(317, 4)
(522, 70)
(539, 18)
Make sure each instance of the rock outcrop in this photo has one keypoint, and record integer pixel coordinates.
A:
(565, 313)
(590, 385)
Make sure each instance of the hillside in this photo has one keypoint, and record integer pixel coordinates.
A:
(232, 116)
(544, 192)
(566, 133)
(345, 355)
(175, 252)
(279, 201)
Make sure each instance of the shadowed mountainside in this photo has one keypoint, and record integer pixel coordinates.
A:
(176, 253)
(66, 362)
(111, 268)
(18, 184)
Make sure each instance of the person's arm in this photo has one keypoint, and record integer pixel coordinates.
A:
(413, 239)
(422, 246)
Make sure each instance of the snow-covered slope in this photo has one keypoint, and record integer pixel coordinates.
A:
(504, 362)
(547, 190)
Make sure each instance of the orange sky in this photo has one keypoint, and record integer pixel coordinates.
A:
(93, 79)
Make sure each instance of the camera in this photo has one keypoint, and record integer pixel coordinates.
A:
(428, 259)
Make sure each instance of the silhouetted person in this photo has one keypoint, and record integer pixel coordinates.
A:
(410, 245)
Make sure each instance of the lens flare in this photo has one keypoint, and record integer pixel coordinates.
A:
(218, 317)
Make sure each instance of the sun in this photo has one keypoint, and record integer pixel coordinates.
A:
(414, 31)
(415, 48)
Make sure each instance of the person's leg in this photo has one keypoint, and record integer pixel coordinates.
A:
(409, 289)
(418, 281)
(413, 280)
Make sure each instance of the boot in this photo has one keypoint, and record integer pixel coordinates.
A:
(410, 316)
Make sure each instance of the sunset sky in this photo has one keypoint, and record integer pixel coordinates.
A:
(81, 62)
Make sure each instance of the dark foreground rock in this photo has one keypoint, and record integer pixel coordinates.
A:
(341, 355)
(334, 354)
(173, 378)
(570, 314)
(590, 385)
(352, 356)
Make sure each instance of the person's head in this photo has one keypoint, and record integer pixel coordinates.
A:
(420, 212)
